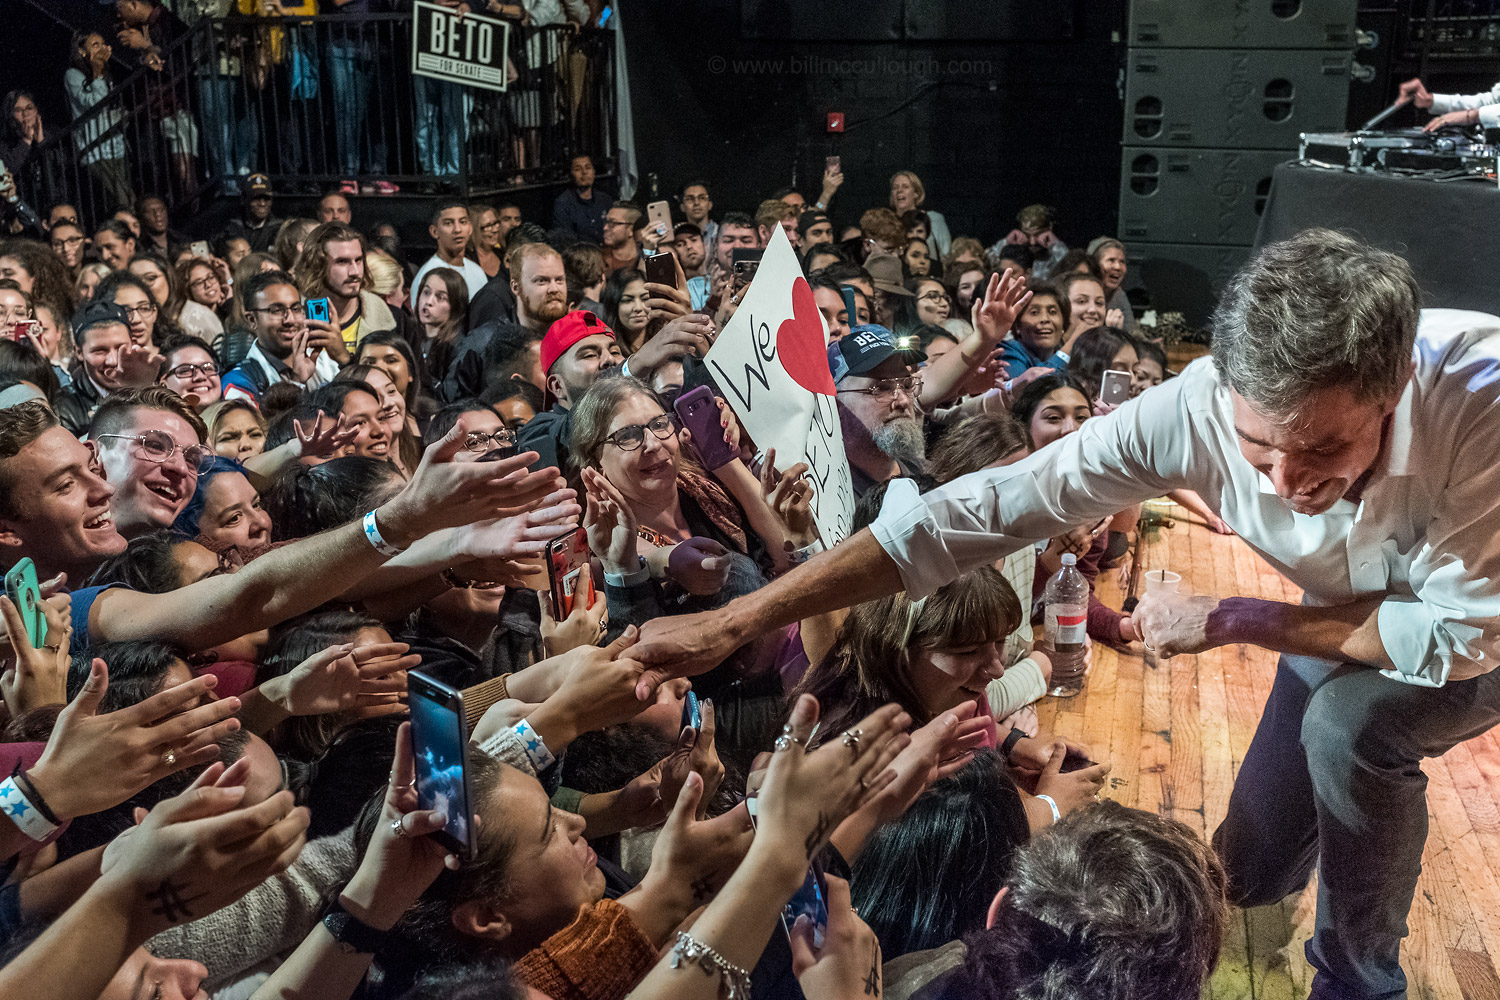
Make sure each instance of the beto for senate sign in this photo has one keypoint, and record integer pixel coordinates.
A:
(468, 49)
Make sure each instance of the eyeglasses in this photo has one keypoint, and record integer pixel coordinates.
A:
(490, 225)
(615, 222)
(480, 441)
(184, 372)
(159, 446)
(884, 390)
(143, 310)
(280, 312)
(66, 242)
(205, 282)
(632, 437)
(933, 297)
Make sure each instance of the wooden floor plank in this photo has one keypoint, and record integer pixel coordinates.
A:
(1176, 732)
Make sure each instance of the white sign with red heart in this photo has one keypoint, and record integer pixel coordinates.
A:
(771, 364)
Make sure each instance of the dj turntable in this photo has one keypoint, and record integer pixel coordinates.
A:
(1446, 153)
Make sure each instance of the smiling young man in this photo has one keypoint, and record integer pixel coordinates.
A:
(275, 313)
(150, 447)
(55, 508)
(101, 330)
(1355, 444)
(332, 267)
(577, 349)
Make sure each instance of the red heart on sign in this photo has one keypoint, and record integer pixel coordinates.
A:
(799, 341)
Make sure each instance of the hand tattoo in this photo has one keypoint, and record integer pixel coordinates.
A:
(816, 837)
(872, 981)
(170, 904)
(702, 888)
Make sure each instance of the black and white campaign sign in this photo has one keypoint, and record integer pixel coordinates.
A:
(467, 49)
(771, 363)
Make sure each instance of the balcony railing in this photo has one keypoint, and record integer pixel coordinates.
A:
(312, 101)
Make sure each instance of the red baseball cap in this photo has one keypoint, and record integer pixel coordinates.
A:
(575, 326)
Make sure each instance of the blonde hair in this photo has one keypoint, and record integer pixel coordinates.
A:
(384, 271)
(918, 192)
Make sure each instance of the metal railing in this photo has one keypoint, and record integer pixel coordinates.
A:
(312, 101)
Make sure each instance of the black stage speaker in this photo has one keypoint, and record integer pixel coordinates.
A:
(1233, 98)
(1184, 277)
(1242, 24)
(1194, 195)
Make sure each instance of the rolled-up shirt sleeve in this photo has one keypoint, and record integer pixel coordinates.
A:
(1137, 452)
(1487, 103)
(1450, 630)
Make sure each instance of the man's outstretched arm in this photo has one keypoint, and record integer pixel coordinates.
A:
(854, 571)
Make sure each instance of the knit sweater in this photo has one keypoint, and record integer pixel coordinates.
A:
(601, 955)
(269, 920)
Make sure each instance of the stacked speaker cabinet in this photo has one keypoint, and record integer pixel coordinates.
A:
(1216, 94)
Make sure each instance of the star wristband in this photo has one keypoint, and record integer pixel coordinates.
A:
(22, 812)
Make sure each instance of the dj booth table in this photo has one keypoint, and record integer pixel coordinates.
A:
(1449, 231)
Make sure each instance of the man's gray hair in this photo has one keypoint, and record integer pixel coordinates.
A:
(1317, 310)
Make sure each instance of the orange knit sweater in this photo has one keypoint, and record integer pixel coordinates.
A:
(601, 955)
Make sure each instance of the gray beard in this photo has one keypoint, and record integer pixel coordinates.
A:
(901, 439)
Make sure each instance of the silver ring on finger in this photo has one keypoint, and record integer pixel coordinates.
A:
(850, 739)
(169, 758)
(785, 742)
(397, 828)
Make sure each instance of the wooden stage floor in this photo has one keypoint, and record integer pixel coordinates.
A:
(1177, 730)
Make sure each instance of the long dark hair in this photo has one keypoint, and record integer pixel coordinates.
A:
(609, 298)
(416, 402)
(440, 354)
(308, 737)
(1093, 351)
(7, 108)
(868, 665)
(307, 499)
(1031, 397)
(962, 833)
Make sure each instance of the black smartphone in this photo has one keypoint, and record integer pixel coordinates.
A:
(699, 412)
(661, 269)
(440, 741)
(318, 309)
(1074, 762)
(692, 713)
(496, 454)
(745, 261)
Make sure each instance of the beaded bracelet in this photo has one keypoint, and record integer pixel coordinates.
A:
(691, 950)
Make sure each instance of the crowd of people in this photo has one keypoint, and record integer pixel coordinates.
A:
(262, 477)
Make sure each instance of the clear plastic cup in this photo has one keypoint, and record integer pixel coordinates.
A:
(1163, 580)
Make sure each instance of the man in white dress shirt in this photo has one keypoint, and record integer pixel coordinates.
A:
(1358, 451)
(1454, 109)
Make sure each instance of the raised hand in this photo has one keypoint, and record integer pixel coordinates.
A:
(345, 679)
(1005, 298)
(583, 626)
(520, 536)
(398, 867)
(140, 364)
(848, 964)
(323, 335)
(303, 360)
(609, 523)
(789, 495)
(325, 437)
(805, 796)
(446, 493)
(93, 762)
(38, 676)
(648, 799)
(200, 851)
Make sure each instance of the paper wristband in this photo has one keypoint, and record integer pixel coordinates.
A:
(1052, 804)
(372, 532)
(27, 817)
(541, 757)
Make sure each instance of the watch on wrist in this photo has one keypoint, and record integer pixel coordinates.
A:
(352, 933)
(1015, 736)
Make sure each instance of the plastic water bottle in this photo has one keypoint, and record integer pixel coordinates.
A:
(1067, 602)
